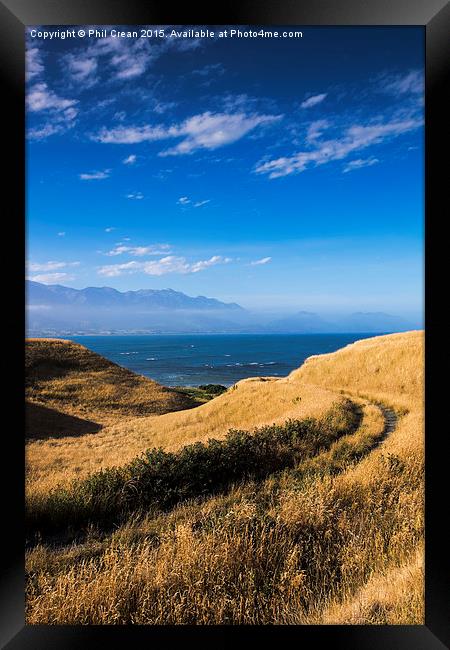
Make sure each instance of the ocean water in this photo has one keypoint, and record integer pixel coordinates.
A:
(190, 360)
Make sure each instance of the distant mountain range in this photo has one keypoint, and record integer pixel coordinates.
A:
(58, 310)
(305, 321)
(106, 297)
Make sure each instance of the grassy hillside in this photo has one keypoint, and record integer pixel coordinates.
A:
(325, 527)
(247, 405)
(71, 391)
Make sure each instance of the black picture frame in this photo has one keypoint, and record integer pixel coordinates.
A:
(434, 17)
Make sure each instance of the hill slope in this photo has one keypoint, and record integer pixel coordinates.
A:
(72, 391)
(384, 364)
(337, 539)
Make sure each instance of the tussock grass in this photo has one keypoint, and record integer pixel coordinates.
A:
(337, 538)
(68, 378)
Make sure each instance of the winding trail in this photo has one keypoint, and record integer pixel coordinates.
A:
(390, 418)
(390, 422)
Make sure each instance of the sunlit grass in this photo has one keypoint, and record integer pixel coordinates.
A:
(337, 538)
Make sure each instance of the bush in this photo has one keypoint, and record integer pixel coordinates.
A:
(213, 389)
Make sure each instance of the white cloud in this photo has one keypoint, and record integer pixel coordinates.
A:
(49, 266)
(204, 131)
(61, 234)
(133, 134)
(359, 163)
(130, 64)
(163, 266)
(354, 139)
(114, 270)
(313, 100)
(51, 278)
(411, 82)
(315, 130)
(135, 196)
(263, 260)
(40, 98)
(60, 112)
(139, 251)
(44, 131)
(34, 65)
(110, 229)
(130, 160)
(210, 131)
(185, 200)
(163, 107)
(82, 68)
(95, 176)
(50, 272)
(125, 59)
(216, 259)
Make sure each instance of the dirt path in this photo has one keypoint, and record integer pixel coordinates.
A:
(390, 421)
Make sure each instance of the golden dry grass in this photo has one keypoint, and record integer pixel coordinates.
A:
(65, 377)
(388, 598)
(331, 541)
(250, 404)
(386, 368)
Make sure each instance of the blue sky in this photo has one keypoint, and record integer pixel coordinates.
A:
(283, 174)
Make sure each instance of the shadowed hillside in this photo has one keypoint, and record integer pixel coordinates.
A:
(72, 391)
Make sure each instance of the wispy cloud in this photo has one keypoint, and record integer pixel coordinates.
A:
(315, 130)
(95, 176)
(124, 59)
(50, 272)
(139, 251)
(81, 68)
(262, 261)
(61, 234)
(59, 112)
(110, 229)
(163, 266)
(49, 266)
(34, 65)
(136, 196)
(211, 131)
(204, 131)
(400, 84)
(359, 163)
(40, 98)
(355, 138)
(130, 160)
(45, 131)
(51, 278)
(313, 100)
(185, 201)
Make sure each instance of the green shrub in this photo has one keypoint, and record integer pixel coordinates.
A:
(213, 389)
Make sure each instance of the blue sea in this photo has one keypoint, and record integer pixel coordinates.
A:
(190, 360)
